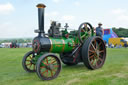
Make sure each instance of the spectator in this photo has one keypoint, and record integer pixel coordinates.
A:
(125, 44)
(120, 46)
(99, 30)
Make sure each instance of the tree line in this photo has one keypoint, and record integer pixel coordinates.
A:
(28, 40)
(121, 32)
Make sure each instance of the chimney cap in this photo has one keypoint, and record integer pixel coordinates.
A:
(40, 5)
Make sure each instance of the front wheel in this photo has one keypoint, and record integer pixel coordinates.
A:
(28, 63)
(48, 66)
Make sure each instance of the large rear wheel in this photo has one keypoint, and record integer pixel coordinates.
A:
(94, 53)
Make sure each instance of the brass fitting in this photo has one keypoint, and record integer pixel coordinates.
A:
(40, 6)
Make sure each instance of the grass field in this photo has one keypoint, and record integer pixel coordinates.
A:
(114, 71)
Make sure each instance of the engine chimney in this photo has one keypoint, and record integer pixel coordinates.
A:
(41, 18)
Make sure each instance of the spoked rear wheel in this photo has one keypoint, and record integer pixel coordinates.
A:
(94, 53)
(48, 66)
(28, 63)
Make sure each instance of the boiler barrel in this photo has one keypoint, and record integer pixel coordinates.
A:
(61, 45)
(54, 45)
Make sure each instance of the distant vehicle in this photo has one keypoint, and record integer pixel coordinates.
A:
(1, 46)
(118, 41)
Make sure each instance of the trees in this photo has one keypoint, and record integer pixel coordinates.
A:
(121, 32)
(20, 40)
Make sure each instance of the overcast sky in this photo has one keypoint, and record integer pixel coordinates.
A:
(18, 18)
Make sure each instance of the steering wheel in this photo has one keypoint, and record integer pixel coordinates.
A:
(85, 30)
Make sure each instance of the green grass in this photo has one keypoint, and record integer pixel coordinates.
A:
(114, 71)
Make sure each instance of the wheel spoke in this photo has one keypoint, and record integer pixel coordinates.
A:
(83, 36)
(30, 57)
(51, 73)
(99, 62)
(56, 65)
(100, 43)
(47, 60)
(92, 51)
(33, 67)
(91, 57)
(44, 72)
(100, 59)
(54, 70)
(100, 55)
(96, 63)
(93, 46)
(47, 73)
(53, 61)
(92, 61)
(28, 64)
(82, 30)
(95, 42)
(42, 67)
(28, 60)
(101, 51)
(97, 47)
(44, 63)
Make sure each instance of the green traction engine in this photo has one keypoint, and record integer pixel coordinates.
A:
(60, 44)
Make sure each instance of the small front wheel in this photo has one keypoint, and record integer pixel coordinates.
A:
(28, 63)
(48, 66)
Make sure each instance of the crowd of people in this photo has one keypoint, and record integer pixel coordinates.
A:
(15, 45)
(116, 46)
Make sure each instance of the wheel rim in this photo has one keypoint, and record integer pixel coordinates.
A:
(82, 32)
(29, 64)
(50, 67)
(97, 53)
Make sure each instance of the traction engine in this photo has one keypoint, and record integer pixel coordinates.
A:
(60, 44)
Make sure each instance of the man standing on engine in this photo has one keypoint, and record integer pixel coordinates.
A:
(99, 30)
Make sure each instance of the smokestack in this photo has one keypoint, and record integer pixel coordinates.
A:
(41, 18)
